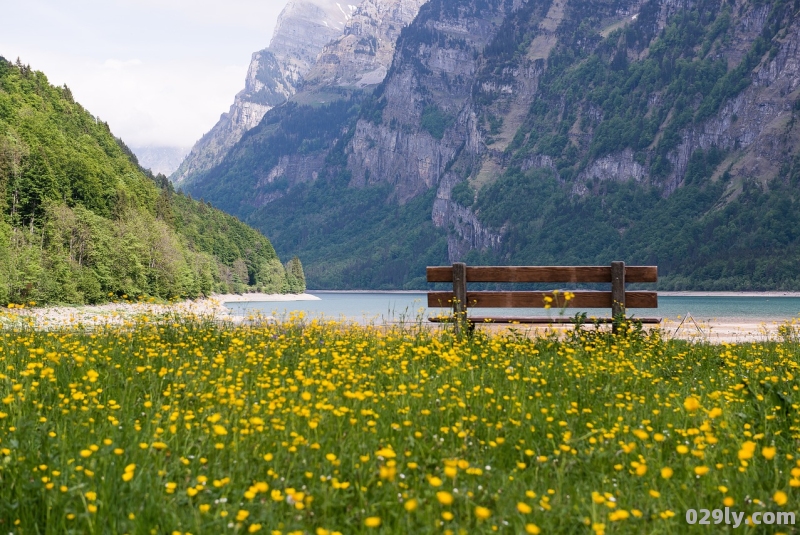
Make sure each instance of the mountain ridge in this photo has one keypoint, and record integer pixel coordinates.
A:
(657, 123)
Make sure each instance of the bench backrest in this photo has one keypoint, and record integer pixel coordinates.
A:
(617, 299)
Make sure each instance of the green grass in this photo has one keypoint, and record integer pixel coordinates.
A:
(304, 427)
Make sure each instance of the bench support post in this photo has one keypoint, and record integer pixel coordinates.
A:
(459, 295)
(617, 293)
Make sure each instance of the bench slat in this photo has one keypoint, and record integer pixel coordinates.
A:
(539, 320)
(582, 299)
(543, 274)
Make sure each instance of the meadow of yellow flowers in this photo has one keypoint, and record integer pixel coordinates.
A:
(313, 427)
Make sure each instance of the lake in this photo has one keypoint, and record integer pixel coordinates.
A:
(396, 306)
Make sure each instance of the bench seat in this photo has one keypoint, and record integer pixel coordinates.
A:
(617, 299)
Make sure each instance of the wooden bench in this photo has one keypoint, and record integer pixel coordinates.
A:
(618, 300)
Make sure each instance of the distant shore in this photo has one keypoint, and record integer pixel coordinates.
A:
(260, 297)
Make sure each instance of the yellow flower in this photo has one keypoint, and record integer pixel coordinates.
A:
(482, 513)
(780, 498)
(524, 508)
(444, 497)
(386, 453)
(728, 501)
(683, 450)
(701, 470)
(666, 472)
(621, 514)
(769, 453)
(220, 430)
(253, 528)
(747, 450)
(691, 403)
(435, 481)
(86, 453)
(715, 412)
(655, 493)
(372, 521)
(532, 529)
(204, 508)
(91, 496)
(242, 515)
(411, 505)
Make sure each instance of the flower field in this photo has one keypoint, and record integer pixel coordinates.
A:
(185, 426)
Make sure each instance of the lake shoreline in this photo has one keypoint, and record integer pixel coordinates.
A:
(235, 308)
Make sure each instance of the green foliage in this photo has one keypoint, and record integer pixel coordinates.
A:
(463, 194)
(699, 239)
(295, 277)
(82, 222)
(435, 121)
(353, 238)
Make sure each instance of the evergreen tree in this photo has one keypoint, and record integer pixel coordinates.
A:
(295, 277)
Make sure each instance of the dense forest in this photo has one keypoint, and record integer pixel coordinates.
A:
(81, 222)
(707, 180)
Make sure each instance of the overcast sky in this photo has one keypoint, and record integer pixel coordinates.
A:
(160, 72)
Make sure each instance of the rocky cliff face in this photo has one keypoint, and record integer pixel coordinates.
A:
(437, 128)
(426, 118)
(361, 56)
(757, 126)
(303, 29)
(484, 105)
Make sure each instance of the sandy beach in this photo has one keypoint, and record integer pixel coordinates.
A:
(212, 307)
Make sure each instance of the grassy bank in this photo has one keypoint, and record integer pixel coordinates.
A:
(192, 427)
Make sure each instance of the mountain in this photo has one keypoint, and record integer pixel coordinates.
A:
(159, 159)
(80, 221)
(319, 51)
(545, 132)
(303, 28)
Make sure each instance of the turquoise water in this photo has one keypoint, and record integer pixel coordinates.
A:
(407, 306)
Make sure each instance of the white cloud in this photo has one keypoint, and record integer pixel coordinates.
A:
(160, 72)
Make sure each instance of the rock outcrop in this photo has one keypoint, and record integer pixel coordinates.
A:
(361, 56)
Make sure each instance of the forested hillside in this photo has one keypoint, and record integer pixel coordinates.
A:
(546, 132)
(82, 222)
